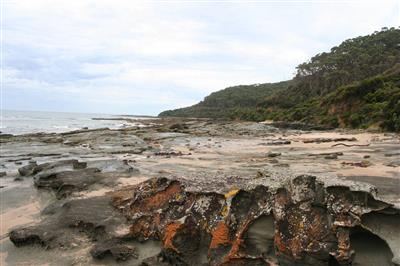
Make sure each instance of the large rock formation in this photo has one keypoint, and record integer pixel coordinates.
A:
(301, 222)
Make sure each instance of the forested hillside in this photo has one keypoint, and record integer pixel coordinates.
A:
(228, 103)
(353, 60)
(356, 84)
(371, 103)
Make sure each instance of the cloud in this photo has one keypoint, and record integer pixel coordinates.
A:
(147, 56)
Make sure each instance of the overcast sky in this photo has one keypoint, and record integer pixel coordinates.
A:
(142, 57)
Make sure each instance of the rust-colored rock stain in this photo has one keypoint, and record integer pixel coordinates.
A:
(311, 221)
(220, 235)
(169, 234)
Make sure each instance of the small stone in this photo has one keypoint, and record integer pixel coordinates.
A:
(282, 165)
(365, 163)
(273, 154)
(259, 175)
(279, 142)
(331, 156)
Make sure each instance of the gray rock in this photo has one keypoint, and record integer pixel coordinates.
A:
(66, 182)
(62, 164)
(31, 235)
(394, 163)
(114, 248)
(66, 223)
(331, 156)
(273, 154)
(27, 170)
(279, 142)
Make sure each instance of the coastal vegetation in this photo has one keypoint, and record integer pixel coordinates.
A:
(355, 85)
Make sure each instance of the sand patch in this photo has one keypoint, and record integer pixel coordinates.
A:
(15, 217)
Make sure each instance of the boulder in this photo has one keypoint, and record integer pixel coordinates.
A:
(65, 182)
(27, 170)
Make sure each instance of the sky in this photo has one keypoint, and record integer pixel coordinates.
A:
(146, 56)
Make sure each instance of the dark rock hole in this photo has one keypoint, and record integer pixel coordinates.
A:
(370, 250)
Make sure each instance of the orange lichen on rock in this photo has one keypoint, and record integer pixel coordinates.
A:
(161, 198)
(220, 235)
(169, 234)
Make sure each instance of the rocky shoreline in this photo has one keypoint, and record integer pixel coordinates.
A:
(201, 192)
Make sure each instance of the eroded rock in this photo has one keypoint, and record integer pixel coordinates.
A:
(67, 176)
(63, 183)
(27, 170)
(310, 225)
(114, 248)
(94, 217)
(300, 222)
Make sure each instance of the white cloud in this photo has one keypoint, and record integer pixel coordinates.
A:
(158, 55)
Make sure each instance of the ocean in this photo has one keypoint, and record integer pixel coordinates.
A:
(23, 122)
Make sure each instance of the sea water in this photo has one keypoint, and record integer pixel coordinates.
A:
(22, 122)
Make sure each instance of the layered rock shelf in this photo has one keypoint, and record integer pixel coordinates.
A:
(302, 222)
(196, 192)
